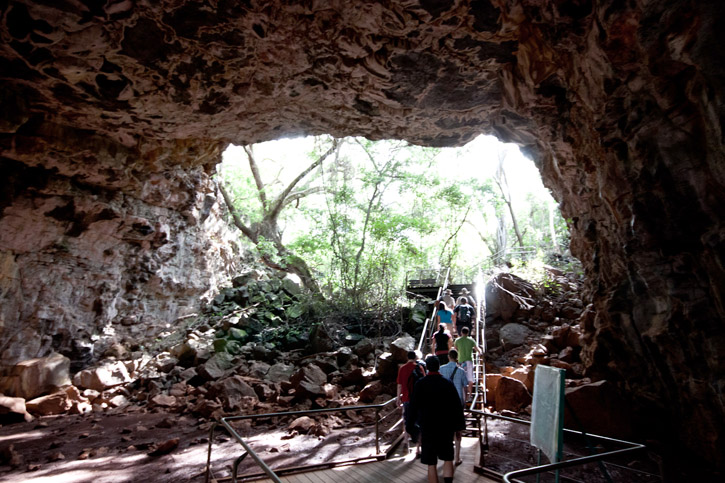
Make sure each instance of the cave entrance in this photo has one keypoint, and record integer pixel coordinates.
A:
(469, 208)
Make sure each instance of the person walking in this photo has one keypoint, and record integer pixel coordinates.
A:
(465, 346)
(410, 373)
(437, 407)
(469, 298)
(457, 376)
(441, 343)
(444, 315)
(447, 297)
(464, 315)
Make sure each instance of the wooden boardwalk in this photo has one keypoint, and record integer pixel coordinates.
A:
(400, 469)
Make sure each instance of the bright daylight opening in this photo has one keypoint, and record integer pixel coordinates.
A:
(359, 212)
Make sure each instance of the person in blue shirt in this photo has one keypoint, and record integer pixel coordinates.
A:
(444, 315)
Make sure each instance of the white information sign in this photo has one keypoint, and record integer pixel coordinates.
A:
(547, 417)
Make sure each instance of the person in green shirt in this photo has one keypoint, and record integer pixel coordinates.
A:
(465, 346)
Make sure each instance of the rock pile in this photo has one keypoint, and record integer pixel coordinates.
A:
(248, 353)
(528, 325)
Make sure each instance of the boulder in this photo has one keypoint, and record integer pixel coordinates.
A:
(344, 356)
(164, 362)
(117, 351)
(59, 402)
(400, 347)
(280, 372)
(262, 352)
(353, 377)
(567, 355)
(511, 395)
(309, 381)
(371, 391)
(600, 409)
(34, 377)
(259, 370)
(525, 374)
(291, 285)
(163, 400)
(491, 384)
(326, 362)
(363, 348)
(215, 367)
(234, 386)
(387, 368)
(100, 378)
(13, 410)
(302, 424)
(504, 292)
(185, 352)
(570, 311)
(320, 340)
(265, 392)
(513, 335)
(561, 335)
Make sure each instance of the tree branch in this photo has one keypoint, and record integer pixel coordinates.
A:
(301, 194)
(257, 177)
(279, 202)
(237, 220)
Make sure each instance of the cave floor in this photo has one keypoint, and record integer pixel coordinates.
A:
(119, 445)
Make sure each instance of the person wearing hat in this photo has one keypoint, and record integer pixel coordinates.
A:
(465, 293)
(447, 297)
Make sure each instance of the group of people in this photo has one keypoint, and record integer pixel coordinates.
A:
(434, 393)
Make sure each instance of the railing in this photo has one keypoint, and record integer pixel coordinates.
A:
(562, 464)
(274, 474)
(427, 277)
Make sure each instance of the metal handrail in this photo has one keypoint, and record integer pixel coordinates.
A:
(562, 464)
(248, 451)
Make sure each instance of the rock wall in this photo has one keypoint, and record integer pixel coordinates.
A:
(620, 103)
(100, 243)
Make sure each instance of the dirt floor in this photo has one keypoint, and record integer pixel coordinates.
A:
(134, 445)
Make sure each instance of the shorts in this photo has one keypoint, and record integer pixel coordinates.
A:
(468, 367)
(443, 358)
(436, 446)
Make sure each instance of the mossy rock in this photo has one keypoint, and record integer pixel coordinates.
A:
(220, 345)
(233, 347)
(238, 334)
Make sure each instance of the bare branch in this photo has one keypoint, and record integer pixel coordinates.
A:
(237, 220)
(257, 177)
(279, 202)
(455, 233)
(301, 194)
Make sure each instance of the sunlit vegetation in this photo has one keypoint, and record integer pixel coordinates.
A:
(351, 217)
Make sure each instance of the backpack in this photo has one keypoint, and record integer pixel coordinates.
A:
(464, 314)
(416, 375)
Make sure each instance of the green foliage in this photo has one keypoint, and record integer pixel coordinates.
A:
(384, 208)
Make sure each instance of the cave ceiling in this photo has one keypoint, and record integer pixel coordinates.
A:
(114, 113)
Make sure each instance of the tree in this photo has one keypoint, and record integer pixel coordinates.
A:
(502, 183)
(265, 233)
